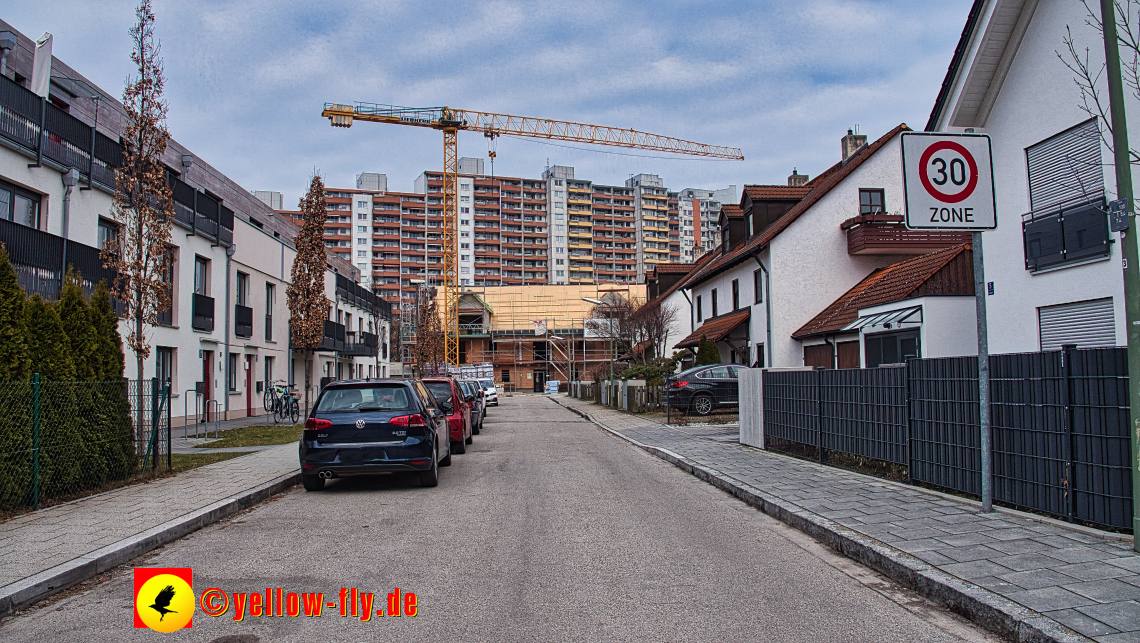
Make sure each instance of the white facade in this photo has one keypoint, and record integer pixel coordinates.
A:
(947, 326)
(703, 206)
(556, 191)
(808, 264)
(1012, 86)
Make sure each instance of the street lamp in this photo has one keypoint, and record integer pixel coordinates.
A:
(610, 332)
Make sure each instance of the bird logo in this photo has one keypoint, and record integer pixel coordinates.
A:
(162, 593)
(162, 602)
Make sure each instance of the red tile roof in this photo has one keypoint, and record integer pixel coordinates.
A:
(883, 286)
(776, 192)
(715, 328)
(732, 211)
(673, 268)
(819, 187)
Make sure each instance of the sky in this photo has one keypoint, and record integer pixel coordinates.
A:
(781, 80)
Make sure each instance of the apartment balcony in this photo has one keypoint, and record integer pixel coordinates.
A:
(360, 345)
(243, 321)
(202, 313)
(885, 234)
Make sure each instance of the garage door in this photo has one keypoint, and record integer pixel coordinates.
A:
(1088, 324)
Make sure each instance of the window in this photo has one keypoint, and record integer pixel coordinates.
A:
(714, 311)
(362, 228)
(558, 182)
(231, 377)
(736, 294)
(465, 199)
(164, 365)
(506, 375)
(242, 289)
(759, 362)
(699, 313)
(107, 229)
(465, 234)
(465, 246)
(871, 201)
(270, 297)
(20, 206)
(362, 216)
(758, 285)
(269, 369)
(465, 211)
(465, 270)
(201, 276)
(559, 262)
(558, 239)
(362, 204)
(465, 222)
(891, 348)
(465, 257)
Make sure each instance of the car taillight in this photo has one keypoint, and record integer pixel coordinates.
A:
(317, 423)
(678, 384)
(408, 420)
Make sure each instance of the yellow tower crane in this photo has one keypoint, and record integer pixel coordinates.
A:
(450, 120)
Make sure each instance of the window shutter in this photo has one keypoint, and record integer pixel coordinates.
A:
(1066, 167)
(1088, 324)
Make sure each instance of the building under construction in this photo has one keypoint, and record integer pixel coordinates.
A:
(531, 334)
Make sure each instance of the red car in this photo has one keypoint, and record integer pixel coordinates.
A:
(450, 399)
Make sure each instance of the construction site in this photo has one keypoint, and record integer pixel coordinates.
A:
(524, 336)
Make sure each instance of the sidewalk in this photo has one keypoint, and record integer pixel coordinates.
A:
(1011, 572)
(48, 550)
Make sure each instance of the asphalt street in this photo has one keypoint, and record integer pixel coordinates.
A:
(547, 529)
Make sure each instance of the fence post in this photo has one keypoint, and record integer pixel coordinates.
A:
(166, 395)
(819, 414)
(36, 441)
(1067, 442)
(154, 410)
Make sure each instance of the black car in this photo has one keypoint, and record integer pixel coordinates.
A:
(374, 426)
(704, 388)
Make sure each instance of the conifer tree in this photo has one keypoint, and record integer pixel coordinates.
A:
(308, 305)
(111, 391)
(82, 335)
(707, 352)
(106, 324)
(14, 363)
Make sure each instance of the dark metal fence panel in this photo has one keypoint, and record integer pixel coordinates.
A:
(864, 412)
(1101, 452)
(791, 406)
(944, 423)
(1028, 428)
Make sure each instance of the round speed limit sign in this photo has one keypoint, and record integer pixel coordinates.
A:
(949, 182)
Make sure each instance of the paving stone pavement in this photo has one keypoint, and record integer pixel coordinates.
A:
(34, 543)
(1086, 580)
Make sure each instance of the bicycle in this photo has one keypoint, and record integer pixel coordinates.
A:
(281, 400)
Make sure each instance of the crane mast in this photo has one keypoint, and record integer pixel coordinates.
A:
(450, 121)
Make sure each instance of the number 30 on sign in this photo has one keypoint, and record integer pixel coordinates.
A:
(949, 182)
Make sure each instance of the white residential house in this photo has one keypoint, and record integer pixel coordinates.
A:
(227, 331)
(788, 253)
(1052, 267)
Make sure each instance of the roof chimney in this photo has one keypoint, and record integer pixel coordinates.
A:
(796, 179)
(852, 143)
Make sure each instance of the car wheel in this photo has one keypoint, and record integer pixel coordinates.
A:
(430, 478)
(458, 447)
(470, 438)
(446, 462)
(312, 483)
(702, 404)
(476, 429)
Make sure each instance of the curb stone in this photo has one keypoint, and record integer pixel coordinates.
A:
(22, 593)
(981, 606)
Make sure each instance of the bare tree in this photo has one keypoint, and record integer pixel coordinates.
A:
(429, 348)
(1087, 75)
(143, 207)
(308, 305)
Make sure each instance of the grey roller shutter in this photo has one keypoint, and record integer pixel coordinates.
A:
(1088, 324)
(1066, 167)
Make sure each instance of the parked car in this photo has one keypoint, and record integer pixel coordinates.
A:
(703, 389)
(474, 394)
(374, 426)
(450, 399)
(492, 392)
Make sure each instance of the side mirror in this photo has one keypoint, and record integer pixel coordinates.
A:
(446, 407)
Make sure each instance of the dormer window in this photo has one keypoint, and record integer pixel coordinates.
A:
(871, 201)
(724, 239)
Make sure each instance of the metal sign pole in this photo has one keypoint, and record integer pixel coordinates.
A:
(983, 376)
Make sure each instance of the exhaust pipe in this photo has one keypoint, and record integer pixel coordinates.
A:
(325, 475)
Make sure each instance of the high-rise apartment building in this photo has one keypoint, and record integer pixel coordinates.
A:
(511, 231)
(699, 212)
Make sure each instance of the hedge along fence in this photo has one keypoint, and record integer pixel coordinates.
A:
(64, 439)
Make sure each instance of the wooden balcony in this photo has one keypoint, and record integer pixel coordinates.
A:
(885, 234)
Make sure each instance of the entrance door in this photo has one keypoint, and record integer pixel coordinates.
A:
(207, 383)
(539, 381)
(249, 385)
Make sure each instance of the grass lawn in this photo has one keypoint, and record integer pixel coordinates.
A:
(186, 461)
(256, 436)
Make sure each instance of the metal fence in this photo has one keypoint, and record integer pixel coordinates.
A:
(64, 439)
(1059, 425)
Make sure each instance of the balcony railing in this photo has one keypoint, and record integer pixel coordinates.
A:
(202, 311)
(43, 130)
(38, 259)
(243, 321)
(361, 345)
(884, 234)
(1066, 234)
